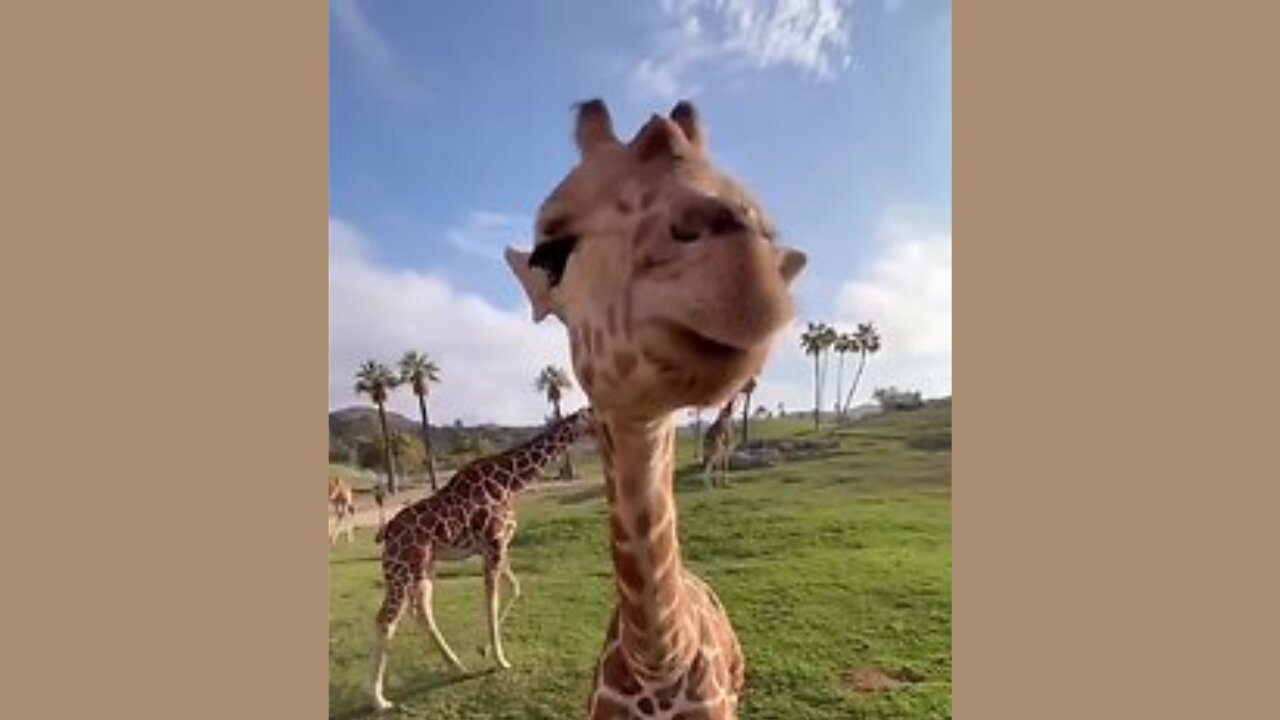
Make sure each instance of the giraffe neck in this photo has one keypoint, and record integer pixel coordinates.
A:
(725, 413)
(639, 458)
(527, 460)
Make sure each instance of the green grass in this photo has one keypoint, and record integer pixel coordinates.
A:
(826, 565)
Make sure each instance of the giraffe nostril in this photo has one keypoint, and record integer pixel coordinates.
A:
(725, 221)
(683, 234)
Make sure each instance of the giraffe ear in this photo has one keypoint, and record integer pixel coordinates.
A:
(790, 263)
(536, 284)
(594, 127)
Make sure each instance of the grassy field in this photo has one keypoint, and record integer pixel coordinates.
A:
(831, 567)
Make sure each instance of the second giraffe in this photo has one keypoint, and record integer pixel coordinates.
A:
(717, 446)
(471, 515)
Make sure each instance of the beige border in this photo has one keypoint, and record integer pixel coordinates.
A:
(164, 304)
(164, 290)
(1106, 562)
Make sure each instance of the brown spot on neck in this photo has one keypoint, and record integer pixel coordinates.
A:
(644, 543)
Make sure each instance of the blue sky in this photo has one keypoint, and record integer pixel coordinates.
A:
(450, 121)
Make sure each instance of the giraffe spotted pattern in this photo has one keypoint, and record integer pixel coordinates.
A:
(706, 688)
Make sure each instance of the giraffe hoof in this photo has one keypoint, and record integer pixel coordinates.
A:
(504, 664)
(382, 705)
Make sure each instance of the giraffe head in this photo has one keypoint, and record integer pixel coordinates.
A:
(663, 268)
(575, 425)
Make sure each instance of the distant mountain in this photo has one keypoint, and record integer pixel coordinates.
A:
(349, 427)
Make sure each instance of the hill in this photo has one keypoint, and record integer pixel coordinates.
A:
(352, 426)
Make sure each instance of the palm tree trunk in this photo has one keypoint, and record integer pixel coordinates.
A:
(386, 449)
(426, 440)
(697, 436)
(566, 469)
(746, 408)
(817, 393)
(862, 361)
(839, 381)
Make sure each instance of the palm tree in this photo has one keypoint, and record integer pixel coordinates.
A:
(376, 380)
(829, 337)
(553, 382)
(868, 344)
(816, 341)
(419, 372)
(845, 344)
(811, 341)
(747, 389)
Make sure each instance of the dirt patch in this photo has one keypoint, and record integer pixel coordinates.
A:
(871, 680)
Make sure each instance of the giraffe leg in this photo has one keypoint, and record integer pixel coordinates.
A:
(393, 606)
(427, 616)
(351, 525)
(492, 568)
(515, 591)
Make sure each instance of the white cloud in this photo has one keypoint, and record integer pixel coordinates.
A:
(905, 291)
(811, 36)
(372, 51)
(485, 234)
(488, 355)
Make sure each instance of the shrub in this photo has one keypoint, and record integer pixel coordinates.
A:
(891, 398)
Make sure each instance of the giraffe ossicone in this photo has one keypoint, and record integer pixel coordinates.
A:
(473, 514)
(666, 274)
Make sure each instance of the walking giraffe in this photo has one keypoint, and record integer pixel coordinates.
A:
(717, 446)
(342, 510)
(473, 514)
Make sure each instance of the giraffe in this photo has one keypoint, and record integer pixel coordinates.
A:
(717, 445)
(472, 514)
(667, 278)
(341, 507)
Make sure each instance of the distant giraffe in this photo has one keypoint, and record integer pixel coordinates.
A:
(717, 446)
(342, 507)
(473, 514)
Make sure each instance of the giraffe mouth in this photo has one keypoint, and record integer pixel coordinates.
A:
(689, 340)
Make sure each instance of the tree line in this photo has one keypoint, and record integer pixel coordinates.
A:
(415, 370)
(820, 340)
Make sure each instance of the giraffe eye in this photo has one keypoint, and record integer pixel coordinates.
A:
(552, 256)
